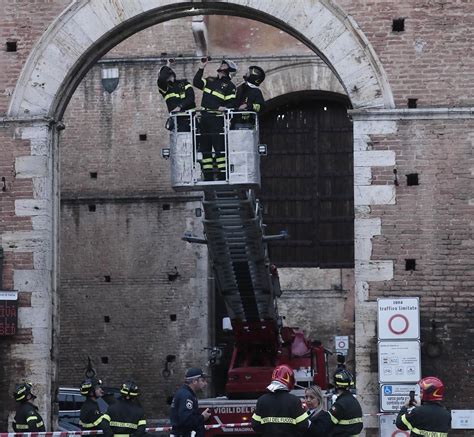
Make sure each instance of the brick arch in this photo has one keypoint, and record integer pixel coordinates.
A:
(86, 30)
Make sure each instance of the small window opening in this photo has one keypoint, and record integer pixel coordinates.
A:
(410, 264)
(93, 174)
(105, 360)
(107, 278)
(11, 46)
(166, 206)
(107, 319)
(142, 137)
(91, 208)
(412, 179)
(398, 25)
(173, 317)
(412, 103)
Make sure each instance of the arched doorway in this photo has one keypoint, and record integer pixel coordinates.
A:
(307, 180)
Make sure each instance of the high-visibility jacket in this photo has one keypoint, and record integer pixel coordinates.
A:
(27, 418)
(126, 418)
(279, 414)
(178, 93)
(250, 95)
(346, 416)
(184, 415)
(216, 92)
(91, 418)
(430, 419)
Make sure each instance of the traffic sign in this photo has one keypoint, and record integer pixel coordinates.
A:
(394, 396)
(398, 319)
(342, 344)
(388, 427)
(399, 361)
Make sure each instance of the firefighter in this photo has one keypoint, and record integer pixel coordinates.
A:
(184, 416)
(178, 95)
(429, 418)
(91, 418)
(126, 416)
(27, 418)
(279, 413)
(346, 413)
(249, 97)
(320, 419)
(218, 96)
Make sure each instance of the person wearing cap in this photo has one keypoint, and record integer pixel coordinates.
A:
(280, 413)
(249, 97)
(91, 418)
(429, 418)
(184, 416)
(126, 416)
(27, 418)
(178, 95)
(218, 96)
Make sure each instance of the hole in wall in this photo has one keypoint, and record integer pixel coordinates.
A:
(412, 179)
(410, 264)
(11, 46)
(91, 208)
(398, 25)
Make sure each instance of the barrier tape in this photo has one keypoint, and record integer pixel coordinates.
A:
(95, 432)
(159, 429)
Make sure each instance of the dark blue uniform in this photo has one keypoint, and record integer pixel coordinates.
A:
(185, 416)
(27, 418)
(430, 418)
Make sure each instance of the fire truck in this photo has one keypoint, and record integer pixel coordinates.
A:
(246, 279)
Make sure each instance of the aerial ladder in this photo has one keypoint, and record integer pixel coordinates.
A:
(238, 248)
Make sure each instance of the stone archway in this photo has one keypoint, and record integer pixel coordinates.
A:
(88, 29)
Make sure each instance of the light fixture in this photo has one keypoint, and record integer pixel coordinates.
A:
(262, 149)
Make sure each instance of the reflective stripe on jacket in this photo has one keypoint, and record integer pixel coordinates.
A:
(430, 419)
(27, 418)
(346, 415)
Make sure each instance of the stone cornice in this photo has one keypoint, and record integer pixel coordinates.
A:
(412, 114)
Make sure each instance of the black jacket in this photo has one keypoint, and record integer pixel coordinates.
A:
(429, 416)
(27, 418)
(185, 416)
(216, 92)
(178, 93)
(250, 96)
(91, 418)
(321, 425)
(279, 414)
(346, 415)
(126, 417)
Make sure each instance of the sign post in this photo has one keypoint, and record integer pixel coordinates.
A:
(8, 313)
(394, 396)
(399, 319)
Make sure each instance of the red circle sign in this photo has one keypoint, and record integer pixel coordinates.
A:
(394, 322)
(342, 345)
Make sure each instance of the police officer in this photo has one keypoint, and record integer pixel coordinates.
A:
(279, 413)
(429, 418)
(126, 416)
(249, 97)
(218, 96)
(91, 418)
(178, 95)
(27, 418)
(184, 416)
(346, 412)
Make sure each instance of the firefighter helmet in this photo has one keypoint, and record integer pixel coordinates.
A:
(22, 391)
(167, 73)
(89, 386)
(129, 389)
(231, 67)
(343, 378)
(432, 389)
(285, 375)
(255, 75)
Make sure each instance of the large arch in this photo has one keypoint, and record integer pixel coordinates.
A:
(88, 29)
(83, 33)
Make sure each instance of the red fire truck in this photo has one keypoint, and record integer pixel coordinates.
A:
(243, 273)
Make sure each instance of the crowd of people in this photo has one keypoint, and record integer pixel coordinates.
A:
(220, 94)
(277, 413)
